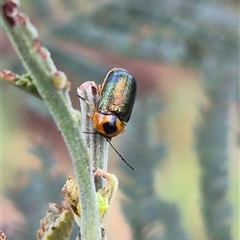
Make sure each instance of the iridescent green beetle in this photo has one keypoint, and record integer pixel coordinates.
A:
(114, 108)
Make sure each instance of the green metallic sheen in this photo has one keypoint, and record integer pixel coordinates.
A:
(118, 94)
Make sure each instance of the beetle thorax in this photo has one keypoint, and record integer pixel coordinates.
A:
(107, 125)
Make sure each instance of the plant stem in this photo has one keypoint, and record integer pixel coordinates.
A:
(36, 59)
(97, 144)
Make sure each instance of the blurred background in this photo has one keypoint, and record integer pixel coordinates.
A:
(182, 138)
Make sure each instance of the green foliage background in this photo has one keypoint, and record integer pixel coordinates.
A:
(182, 138)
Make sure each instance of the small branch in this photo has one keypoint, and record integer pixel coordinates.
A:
(104, 196)
(23, 82)
(57, 224)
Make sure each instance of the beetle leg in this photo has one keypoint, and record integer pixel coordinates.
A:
(99, 87)
(90, 104)
(90, 115)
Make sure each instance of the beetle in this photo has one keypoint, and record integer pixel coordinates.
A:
(116, 99)
(114, 107)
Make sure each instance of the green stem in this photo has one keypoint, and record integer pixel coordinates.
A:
(23, 37)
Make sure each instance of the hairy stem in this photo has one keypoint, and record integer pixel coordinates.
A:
(38, 63)
(97, 144)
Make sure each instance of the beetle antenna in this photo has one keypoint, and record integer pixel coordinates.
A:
(81, 97)
(90, 132)
(109, 141)
(86, 101)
